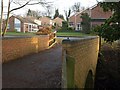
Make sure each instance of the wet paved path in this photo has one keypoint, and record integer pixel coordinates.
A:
(42, 70)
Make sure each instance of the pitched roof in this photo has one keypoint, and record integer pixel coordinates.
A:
(57, 18)
(26, 19)
(83, 11)
(94, 6)
(44, 17)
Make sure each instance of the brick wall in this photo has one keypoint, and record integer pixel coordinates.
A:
(13, 48)
(58, 21)
(11, 23)
(97, 12)
(84, 53)
(45, 21)
(96, 23)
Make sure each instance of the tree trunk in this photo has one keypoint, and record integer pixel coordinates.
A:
(7, 20)
(1, 22)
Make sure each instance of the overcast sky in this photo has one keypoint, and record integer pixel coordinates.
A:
(60, 4)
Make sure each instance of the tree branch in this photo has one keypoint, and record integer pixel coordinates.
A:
(7, 20)
(11, 1)
(20, 6)
(38, 3)
(97, 1)
(28, 3)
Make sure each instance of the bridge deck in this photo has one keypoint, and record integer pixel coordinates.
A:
(42, 70)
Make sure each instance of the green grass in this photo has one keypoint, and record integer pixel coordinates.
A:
(75, 34)
(20, 33)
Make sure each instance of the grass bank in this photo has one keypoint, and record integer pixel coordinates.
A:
(20, 33)
(72, 34)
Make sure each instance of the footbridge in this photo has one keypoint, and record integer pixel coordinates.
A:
(79, 62)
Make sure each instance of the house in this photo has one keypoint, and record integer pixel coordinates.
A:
(10, 24)
(22, 24)
(46, 21)
(75, 21)
(96, 13)
(98, 16)
(26, 24)
(58, 21)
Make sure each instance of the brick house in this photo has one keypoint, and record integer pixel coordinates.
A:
(46, 21)
(10, 24)
(58, 21)
(75, 21)
(96, 13)
(28, 24)
(22, 24)
(98, 16)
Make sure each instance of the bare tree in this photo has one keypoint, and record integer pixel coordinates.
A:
(21, 5)
(82, 8)
(56, 13)
(76, 7)
(44, 13)
(33, 13)
(49, 10)
(7, 20)
(67, 14)
(97, 1)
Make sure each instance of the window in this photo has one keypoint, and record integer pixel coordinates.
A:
(8, 27)
(17, 24)
(71, 24)
(30, 28)
(79, 26)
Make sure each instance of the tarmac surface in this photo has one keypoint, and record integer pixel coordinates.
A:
(41, 70)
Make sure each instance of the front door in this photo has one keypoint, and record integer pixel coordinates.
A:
(78, 28)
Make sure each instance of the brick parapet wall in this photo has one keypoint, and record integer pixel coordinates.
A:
(85, 53)
(16, 47)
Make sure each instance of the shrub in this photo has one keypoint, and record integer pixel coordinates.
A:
(64, 24)
(70, 29)
(44, 31)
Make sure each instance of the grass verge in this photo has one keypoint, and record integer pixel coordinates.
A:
(20, 33)
(74, 34)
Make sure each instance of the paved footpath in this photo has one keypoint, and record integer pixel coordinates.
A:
(42, 70)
